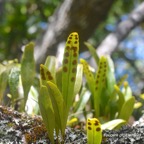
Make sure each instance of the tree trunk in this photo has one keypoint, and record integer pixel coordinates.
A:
(81, 16)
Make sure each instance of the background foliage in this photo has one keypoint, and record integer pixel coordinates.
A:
(23, 21)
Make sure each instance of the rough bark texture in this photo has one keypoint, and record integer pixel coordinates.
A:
(16, 128)
(111, 42)
(73, 15)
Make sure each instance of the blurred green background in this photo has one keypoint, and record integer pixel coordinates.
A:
(23, 21)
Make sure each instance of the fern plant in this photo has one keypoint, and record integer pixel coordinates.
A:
(108, 99)
(9, 75)
(58, 88)
(13, 73)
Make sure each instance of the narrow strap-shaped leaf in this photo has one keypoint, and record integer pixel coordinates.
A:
(78, 81)
(2, 68)
(59, 79)
(108, 89)
(58, 105)
(70, 61)
(13, 82)
(3, 83)
(113, 124)
(93, 52)
(111, 81)
(84, 97)
(100, 82)
(94, 131)
(127, 109)
(45, 74)
(89, 75)
(47, 111)
(27, 69)
(121, 98)
(127, 90)
(121, 80)
(50, 63)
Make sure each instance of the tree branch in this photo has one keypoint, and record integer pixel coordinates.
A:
(111, 42)
(73, 15)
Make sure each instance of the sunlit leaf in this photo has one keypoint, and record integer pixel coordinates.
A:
(47, 111)
(84, 97)
(59, 78)
(46, 75)
(70, 62)
(93, 52)
(110, 76)
(72, 122)
(50, 63)
(27, 69)
(89, 75)
(121, 80)
(121, 98)
(2, 68)
(142, 96)
(127, 91)
(100, 82)
(58, 105)
(110, 104)
(114, 104)
(138, 105)
(94, 131)
(13, 82)
(113, 124)
(78, 81)
(127, 109)
(3, 83)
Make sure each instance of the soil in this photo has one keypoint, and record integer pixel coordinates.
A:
(17, 128)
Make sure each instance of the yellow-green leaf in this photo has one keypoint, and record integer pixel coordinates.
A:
(127, 90)
(113, 124)
(27, 69)
(59, 78)
(100, 82)
(58, 106)
(94, 131)
(3, 83)
(121, 80)
(47, 111)
(46, 75)
(84, 97)
(78, 81)
(50, 63)
(89, 75)
(72, 122)
(93, 52)
(110, 76)
(70, 61)
(121, 98)
(13, 80)
(127, 109)
(138, 105)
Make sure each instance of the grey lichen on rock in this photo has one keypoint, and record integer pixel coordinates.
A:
(17, 128)
(21, 128)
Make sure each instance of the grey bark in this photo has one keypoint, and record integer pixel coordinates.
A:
(111, 42)
(82, 16)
